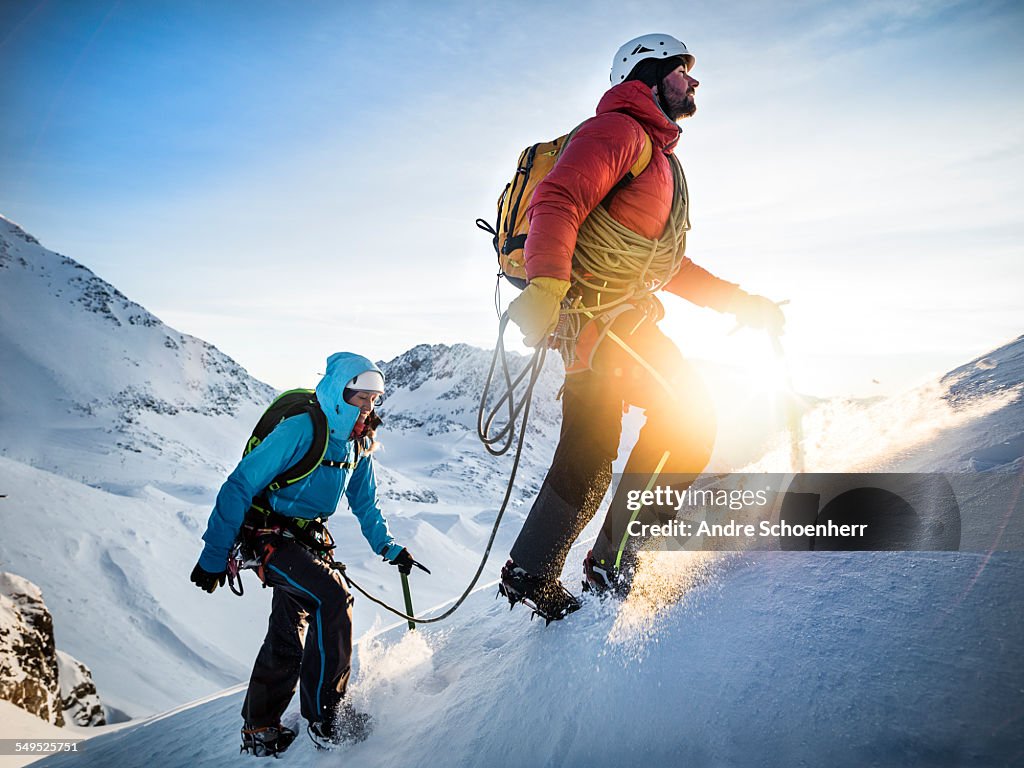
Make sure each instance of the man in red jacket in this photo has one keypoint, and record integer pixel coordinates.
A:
(652, 89)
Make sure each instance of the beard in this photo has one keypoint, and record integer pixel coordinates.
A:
(686, 109)
(676, 103)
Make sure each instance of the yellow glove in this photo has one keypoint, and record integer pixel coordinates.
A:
(536, 309)
(757, 312)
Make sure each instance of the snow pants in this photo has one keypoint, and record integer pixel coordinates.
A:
(675, 443)
(311, 603)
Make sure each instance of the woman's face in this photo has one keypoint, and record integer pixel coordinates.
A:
(364, 400)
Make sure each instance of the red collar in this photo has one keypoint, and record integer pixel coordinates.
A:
(636, 100)
(358, 430)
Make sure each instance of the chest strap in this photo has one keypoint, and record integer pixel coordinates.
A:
(339, 464)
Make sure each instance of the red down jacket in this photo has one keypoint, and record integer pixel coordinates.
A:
(599, 155)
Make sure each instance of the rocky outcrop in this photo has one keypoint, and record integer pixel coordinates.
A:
(78, 693)
(32, 672)
(28, 657)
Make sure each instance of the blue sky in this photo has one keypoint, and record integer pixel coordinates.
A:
(285, 179)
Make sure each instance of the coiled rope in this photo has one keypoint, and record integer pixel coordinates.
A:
(621, 266)
(616, 268)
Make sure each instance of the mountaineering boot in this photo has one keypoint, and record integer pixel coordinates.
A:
(270, 741)
(349, 726)
(546, 597)
(602, 578)
(599, 578)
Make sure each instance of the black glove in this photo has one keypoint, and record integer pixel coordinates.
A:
(757, 312)
(207, 581)
(404, 560)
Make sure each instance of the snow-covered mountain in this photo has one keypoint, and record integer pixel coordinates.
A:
(865, 659)
(115, 431)
(115, 434)
(431, 406)
(97, 389)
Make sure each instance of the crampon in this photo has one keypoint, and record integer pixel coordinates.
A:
(547, 598)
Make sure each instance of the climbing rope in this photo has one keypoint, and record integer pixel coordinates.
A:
(620, 266)
(507, 402)
(506, 437)
(615, 268)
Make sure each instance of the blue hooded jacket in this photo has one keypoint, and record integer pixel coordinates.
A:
(317, 494)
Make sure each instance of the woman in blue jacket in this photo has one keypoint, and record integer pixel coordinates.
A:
(307, 591)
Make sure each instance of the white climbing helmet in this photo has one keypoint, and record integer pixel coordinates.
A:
(367, 381)
(654, 46)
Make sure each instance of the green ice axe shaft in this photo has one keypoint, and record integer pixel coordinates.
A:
(407, 594)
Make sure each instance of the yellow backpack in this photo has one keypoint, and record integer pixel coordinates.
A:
(536, 162)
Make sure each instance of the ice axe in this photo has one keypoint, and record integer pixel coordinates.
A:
(406, 592)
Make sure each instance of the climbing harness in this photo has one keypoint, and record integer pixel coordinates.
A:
(614, 270)
(256, 541)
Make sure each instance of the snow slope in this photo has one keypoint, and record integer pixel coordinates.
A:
(774, 659)
(970, 420)
(115, 431)
(114, 585)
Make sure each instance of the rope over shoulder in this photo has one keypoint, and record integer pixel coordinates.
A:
(614, 268)
(620, 265)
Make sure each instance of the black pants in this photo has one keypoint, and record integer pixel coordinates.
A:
(675, 442)
(311, 603)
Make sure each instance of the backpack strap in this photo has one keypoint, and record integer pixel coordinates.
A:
(644, 160)
(312, 458)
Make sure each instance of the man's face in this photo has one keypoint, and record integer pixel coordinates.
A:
(678, 88)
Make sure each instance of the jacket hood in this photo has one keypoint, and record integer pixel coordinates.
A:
(342, 367)
(636, 100)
